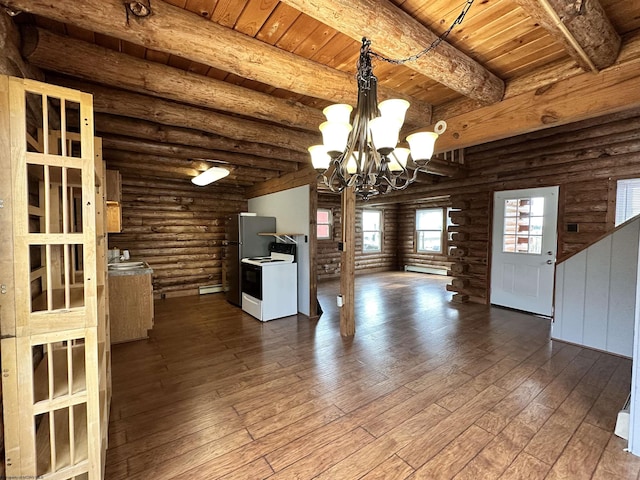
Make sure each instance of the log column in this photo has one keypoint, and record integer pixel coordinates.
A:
(348, 263)
(471, 220)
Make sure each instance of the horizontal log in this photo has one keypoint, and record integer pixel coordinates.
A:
(145, 107)
(181, 151)
(112, 125)
(173, 185)
(470, 291)
(98, 64)
(585, 32)
(304, 176)
(460, 283)
(132, 245)
(459, 268)
(460, 298)
(121, 160)
(209, 43)
(183, 229)
(584, 96)
(396, 34)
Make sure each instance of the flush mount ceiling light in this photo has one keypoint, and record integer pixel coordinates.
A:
(210, 176)
(364, 154)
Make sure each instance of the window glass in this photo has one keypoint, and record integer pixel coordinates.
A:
(627, 199)
(324, 222)
(429, 228)
(523, 221)
(371, 231)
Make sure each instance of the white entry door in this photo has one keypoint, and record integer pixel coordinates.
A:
(524, 249)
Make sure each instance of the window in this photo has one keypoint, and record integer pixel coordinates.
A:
(429, 228)
(523, 218)
(371, 231)
(324, 222)
(627, 199)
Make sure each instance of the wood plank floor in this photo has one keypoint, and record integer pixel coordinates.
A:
(425, 390)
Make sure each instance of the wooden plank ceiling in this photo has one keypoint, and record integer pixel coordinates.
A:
(243, 81)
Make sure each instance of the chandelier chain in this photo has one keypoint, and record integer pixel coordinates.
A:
(433, 45)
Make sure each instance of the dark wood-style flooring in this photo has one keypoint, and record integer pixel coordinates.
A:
(425, 390)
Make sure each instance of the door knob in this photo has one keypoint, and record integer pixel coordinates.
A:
(549, 262)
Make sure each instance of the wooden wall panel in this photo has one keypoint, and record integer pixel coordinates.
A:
(178, 229)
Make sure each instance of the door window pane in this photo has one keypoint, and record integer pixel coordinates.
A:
(523, 221)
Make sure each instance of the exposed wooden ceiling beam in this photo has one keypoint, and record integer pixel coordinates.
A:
(581, 26)
(577, 98)
(11, 61)
(396, 34)
(179, 32)
(246, 175)
(144, 107)
(149, 166)
(540, 79)
(185, 152)
(97, 64)
(106, 124)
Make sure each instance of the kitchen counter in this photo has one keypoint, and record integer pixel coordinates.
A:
(130, 301)
(130, 267)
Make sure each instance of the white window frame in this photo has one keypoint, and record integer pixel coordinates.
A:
(329, 224)
(627, 199)
(418, 233)
(379, 231)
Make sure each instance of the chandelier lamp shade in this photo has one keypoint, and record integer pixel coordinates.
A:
(364, 153)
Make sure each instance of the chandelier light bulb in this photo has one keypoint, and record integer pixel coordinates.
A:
(340, 112)
(320, 159)
(400, 156)
(335, 136)
(352, 164)
(422, 145)
(395, 108)
(385, 132)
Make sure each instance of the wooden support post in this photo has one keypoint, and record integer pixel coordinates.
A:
(313, 249)
(347, 265)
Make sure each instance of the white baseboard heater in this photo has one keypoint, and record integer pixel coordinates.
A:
(421, 269)
(210, 289)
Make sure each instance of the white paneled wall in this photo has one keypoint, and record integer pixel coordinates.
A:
(595, 294)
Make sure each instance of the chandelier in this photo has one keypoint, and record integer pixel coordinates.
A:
(364, 154)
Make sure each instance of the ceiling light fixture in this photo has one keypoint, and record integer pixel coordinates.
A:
(364, 154)
(210, 176)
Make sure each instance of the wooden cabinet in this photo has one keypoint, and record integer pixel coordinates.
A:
(114, 217)
(114, 186)
(130, 305)
(53, 309)
(114, 196)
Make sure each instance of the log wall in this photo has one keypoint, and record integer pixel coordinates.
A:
(178, 229)
(584, 159)
(328, 255)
